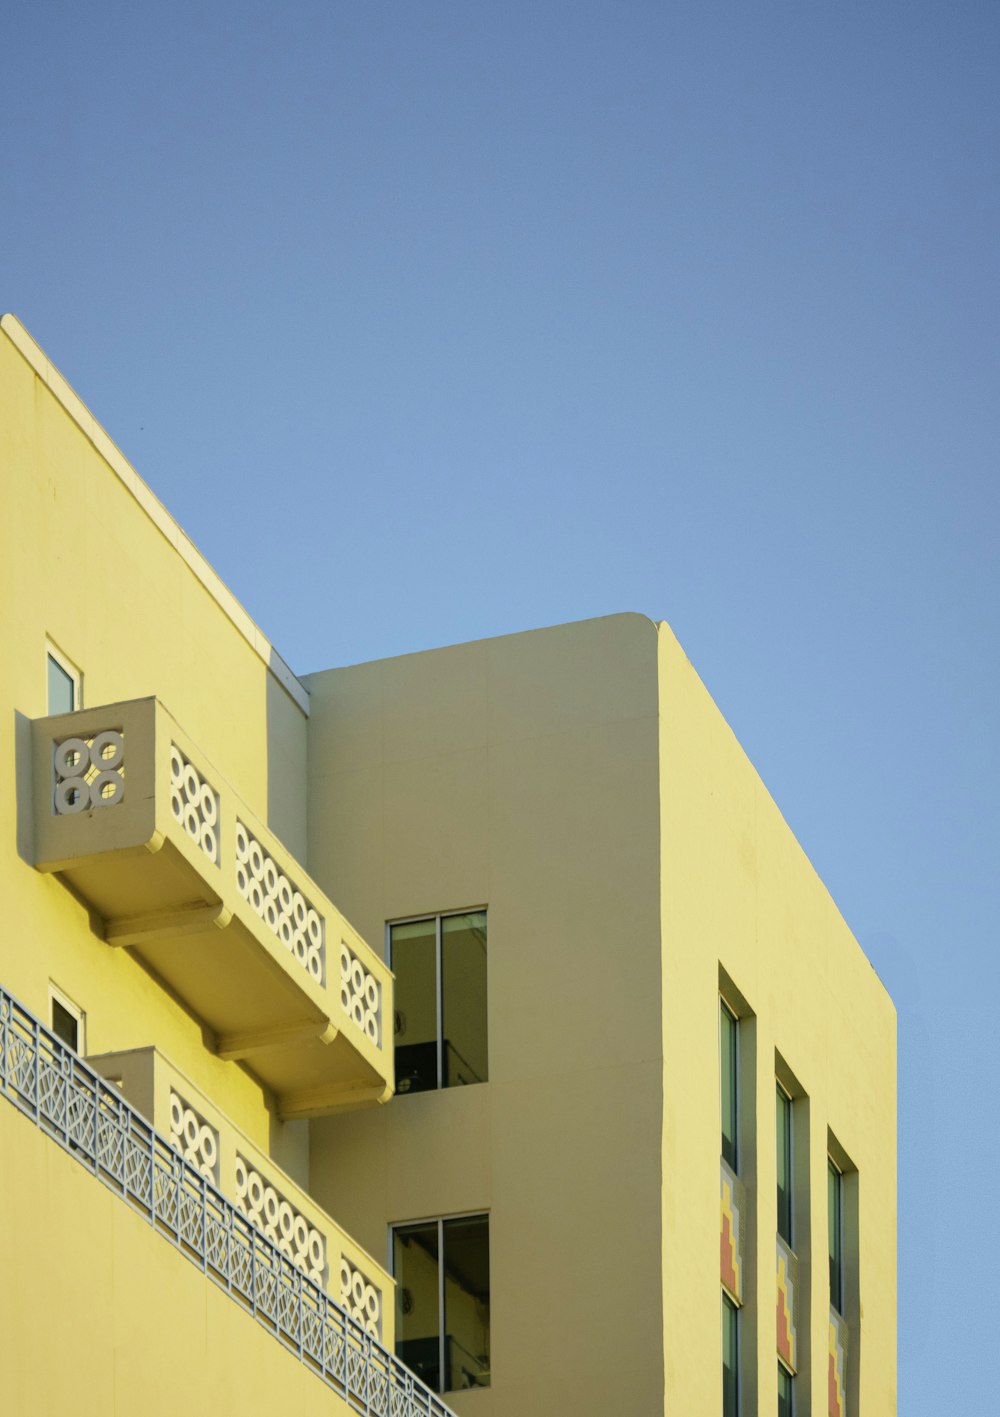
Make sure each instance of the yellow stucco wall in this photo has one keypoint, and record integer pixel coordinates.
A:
(98, 1313)
(84, 564)
(100, 1316)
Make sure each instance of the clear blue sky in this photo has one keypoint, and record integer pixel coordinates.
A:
(430, 321)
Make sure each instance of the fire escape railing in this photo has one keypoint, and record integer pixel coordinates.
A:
(89, 1118)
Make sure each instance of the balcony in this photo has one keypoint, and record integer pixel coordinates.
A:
(261, 1192)
(134, 818)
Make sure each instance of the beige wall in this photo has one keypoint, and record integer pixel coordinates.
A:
(520, 774)
(580, 783)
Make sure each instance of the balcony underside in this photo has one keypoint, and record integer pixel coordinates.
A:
(180, 873)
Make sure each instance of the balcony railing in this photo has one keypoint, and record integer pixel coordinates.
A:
(91, 1120)
(128, 810)
(258, 1188)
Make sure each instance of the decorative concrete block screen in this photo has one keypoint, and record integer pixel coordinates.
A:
(194, 1138)
(264, 1204)
(195, 804)
(360, 995)
(88, 772)
(280, 904)
(360, 1298)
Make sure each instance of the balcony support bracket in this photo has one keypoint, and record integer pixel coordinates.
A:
(165, 925)
(241, 1045)
(325, 1101)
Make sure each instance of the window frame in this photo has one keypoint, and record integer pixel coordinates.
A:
(782, 1092)
(725, 1005)
(75, 675)
(783, 1368)
(833, 1170)
(438, 918)
(440, 1221)
(734, 1309)
(60, 997)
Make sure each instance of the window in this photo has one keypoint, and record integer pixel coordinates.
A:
(68, 1020)
(63, 683)
(835, 1222)
(730, 1358)
(442, 1273)
(786, 1392)
(728, 1036)
(783, 1132)
(440, 1001)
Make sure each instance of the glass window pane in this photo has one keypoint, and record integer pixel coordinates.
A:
(65, 1025)
(463, 983)
(62, 689)
(414, 962)
(727, 1047)
(834, 1192)
(785, 1408)
(415, 1266)
(783, 1129)
(730, 1359)
(467, 1302)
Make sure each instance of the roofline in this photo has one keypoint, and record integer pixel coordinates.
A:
(154, 508)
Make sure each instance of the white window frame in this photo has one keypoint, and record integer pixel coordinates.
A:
(53, 652)
(440, 1221)
(438, 917)
(59, 996)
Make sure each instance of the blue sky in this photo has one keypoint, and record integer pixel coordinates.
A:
(430, 321)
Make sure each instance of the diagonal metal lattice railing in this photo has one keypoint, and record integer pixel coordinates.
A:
(88, 1117)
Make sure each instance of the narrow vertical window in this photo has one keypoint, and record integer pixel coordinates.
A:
(783, 1134)
(728, 1032)
(440, 1023)
(786, 1392)
(63, 682)
(730, 1358)
(442, 1273)
(835, 1222)
(413, 959)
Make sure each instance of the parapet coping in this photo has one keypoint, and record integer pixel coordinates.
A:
(154, 508)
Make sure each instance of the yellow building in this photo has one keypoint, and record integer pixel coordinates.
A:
(641, 1153)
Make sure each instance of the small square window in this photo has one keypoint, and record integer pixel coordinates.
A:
(68, 1020)
(64, 683)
